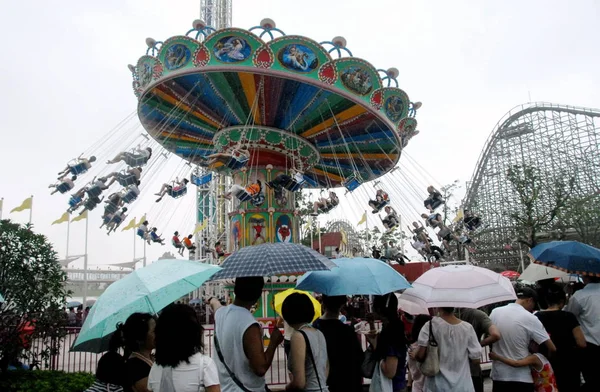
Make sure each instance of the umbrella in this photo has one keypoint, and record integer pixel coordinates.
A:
(568, 256)
(510, 274)
(535, 272)
(357, 276)
(272, 259)
(146, 290)
(73, 304)
(461, 286)
(410, 307)
(1, 298)
(280, 297)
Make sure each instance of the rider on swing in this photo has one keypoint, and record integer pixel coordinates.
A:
(177, 189)
(64, 185)
(391, 219)
(325, 205)
(244, 194)
(381, 200)
(138, 157)
(80, 166)
(154, 237)
(292, 184)
(126, 177)
(433, 220)
(434, 200)
(234, 160)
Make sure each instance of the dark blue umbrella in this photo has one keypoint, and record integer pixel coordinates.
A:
(272, 259)
(569, 256)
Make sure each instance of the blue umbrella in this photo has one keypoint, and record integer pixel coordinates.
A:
(568, 256)
(357, 276)
(273, 259)
(147, 290)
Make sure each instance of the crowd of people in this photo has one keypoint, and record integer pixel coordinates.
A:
(547, 340)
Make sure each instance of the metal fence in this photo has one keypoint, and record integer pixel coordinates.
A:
(86, 362)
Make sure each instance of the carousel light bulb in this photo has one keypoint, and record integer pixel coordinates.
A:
(339, 41)
(417, 105)
(267, 23)
(131, 67)
(198, 24)
(393, 72)
(150, 42)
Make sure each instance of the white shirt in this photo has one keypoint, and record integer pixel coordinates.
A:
(339, 255)
(457, 344)
(518, 328)
(299, 178)
(231, 322)
(585, 305)
(187, 377)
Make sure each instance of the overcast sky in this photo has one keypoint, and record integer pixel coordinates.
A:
(66, 84)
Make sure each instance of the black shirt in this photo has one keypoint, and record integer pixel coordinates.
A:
(136, 371)
(345, 356)
(559, 325)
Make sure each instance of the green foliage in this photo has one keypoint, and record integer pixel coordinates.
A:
(45, 381)
(536, 201)
(581, 215)
(32, 283)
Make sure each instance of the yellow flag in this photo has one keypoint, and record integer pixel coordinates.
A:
(459, 216)
(362, 220)
(344, 237)
(80, 217)
(26, 205)
(130, 225)
(142, 220)
(309, 222)
(201, 226)
(62, 219)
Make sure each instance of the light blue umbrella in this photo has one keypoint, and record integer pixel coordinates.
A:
(147, 290)
(1, 298)
(357, 276)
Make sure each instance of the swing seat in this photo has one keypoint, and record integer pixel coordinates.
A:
(310, 181)
(129, 197)
(94, 191)
(236, 163)
(177, 245)
(352, 183)
(117, 220)
(78, 168)
(90, 204)
(133, 160)
(111, 208)
(294, 186)
(74, 200)
(244, 196)
(126, 179)
(198, 181)
(177, 193)
(433, 203)
(106, 219)
(140, 233)
(63, 187)
(379, 206)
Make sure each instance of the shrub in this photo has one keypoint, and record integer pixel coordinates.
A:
(45, 381)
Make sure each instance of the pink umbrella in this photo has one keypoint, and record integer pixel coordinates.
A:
(461, 286)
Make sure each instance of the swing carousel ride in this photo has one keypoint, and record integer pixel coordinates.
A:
(256, 116)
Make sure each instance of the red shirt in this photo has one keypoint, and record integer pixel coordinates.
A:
(176, 240)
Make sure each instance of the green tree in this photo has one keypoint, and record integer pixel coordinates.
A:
(536, 201)
(581, 215)
(32, 284)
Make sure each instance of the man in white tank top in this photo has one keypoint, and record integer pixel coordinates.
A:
(240, 339)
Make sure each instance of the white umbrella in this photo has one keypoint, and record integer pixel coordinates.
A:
(535, 272)
(460, 286)
(410, 307)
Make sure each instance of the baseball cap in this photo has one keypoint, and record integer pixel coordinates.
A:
(527, 292)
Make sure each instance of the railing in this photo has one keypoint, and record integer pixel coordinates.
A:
(86, 362)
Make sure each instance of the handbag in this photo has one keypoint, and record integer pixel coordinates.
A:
(431, 365)
(369, 363)
(312, 358)
(379, 382)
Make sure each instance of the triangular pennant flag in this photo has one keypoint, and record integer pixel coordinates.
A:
(362, 220)
(309, 223)
(62, 219)
(80, 217)
(141, 221)
(459, 216)
(130, 225)
(200, 226)
(26, 205)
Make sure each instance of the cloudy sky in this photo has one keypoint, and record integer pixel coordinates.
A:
(66, 84)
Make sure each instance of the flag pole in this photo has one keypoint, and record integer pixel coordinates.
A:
(85, 263)
(31, 210)
(68, 234)
(1, 206)
(134, 235)
(320, 244)
(145, 253)
(367, 228)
